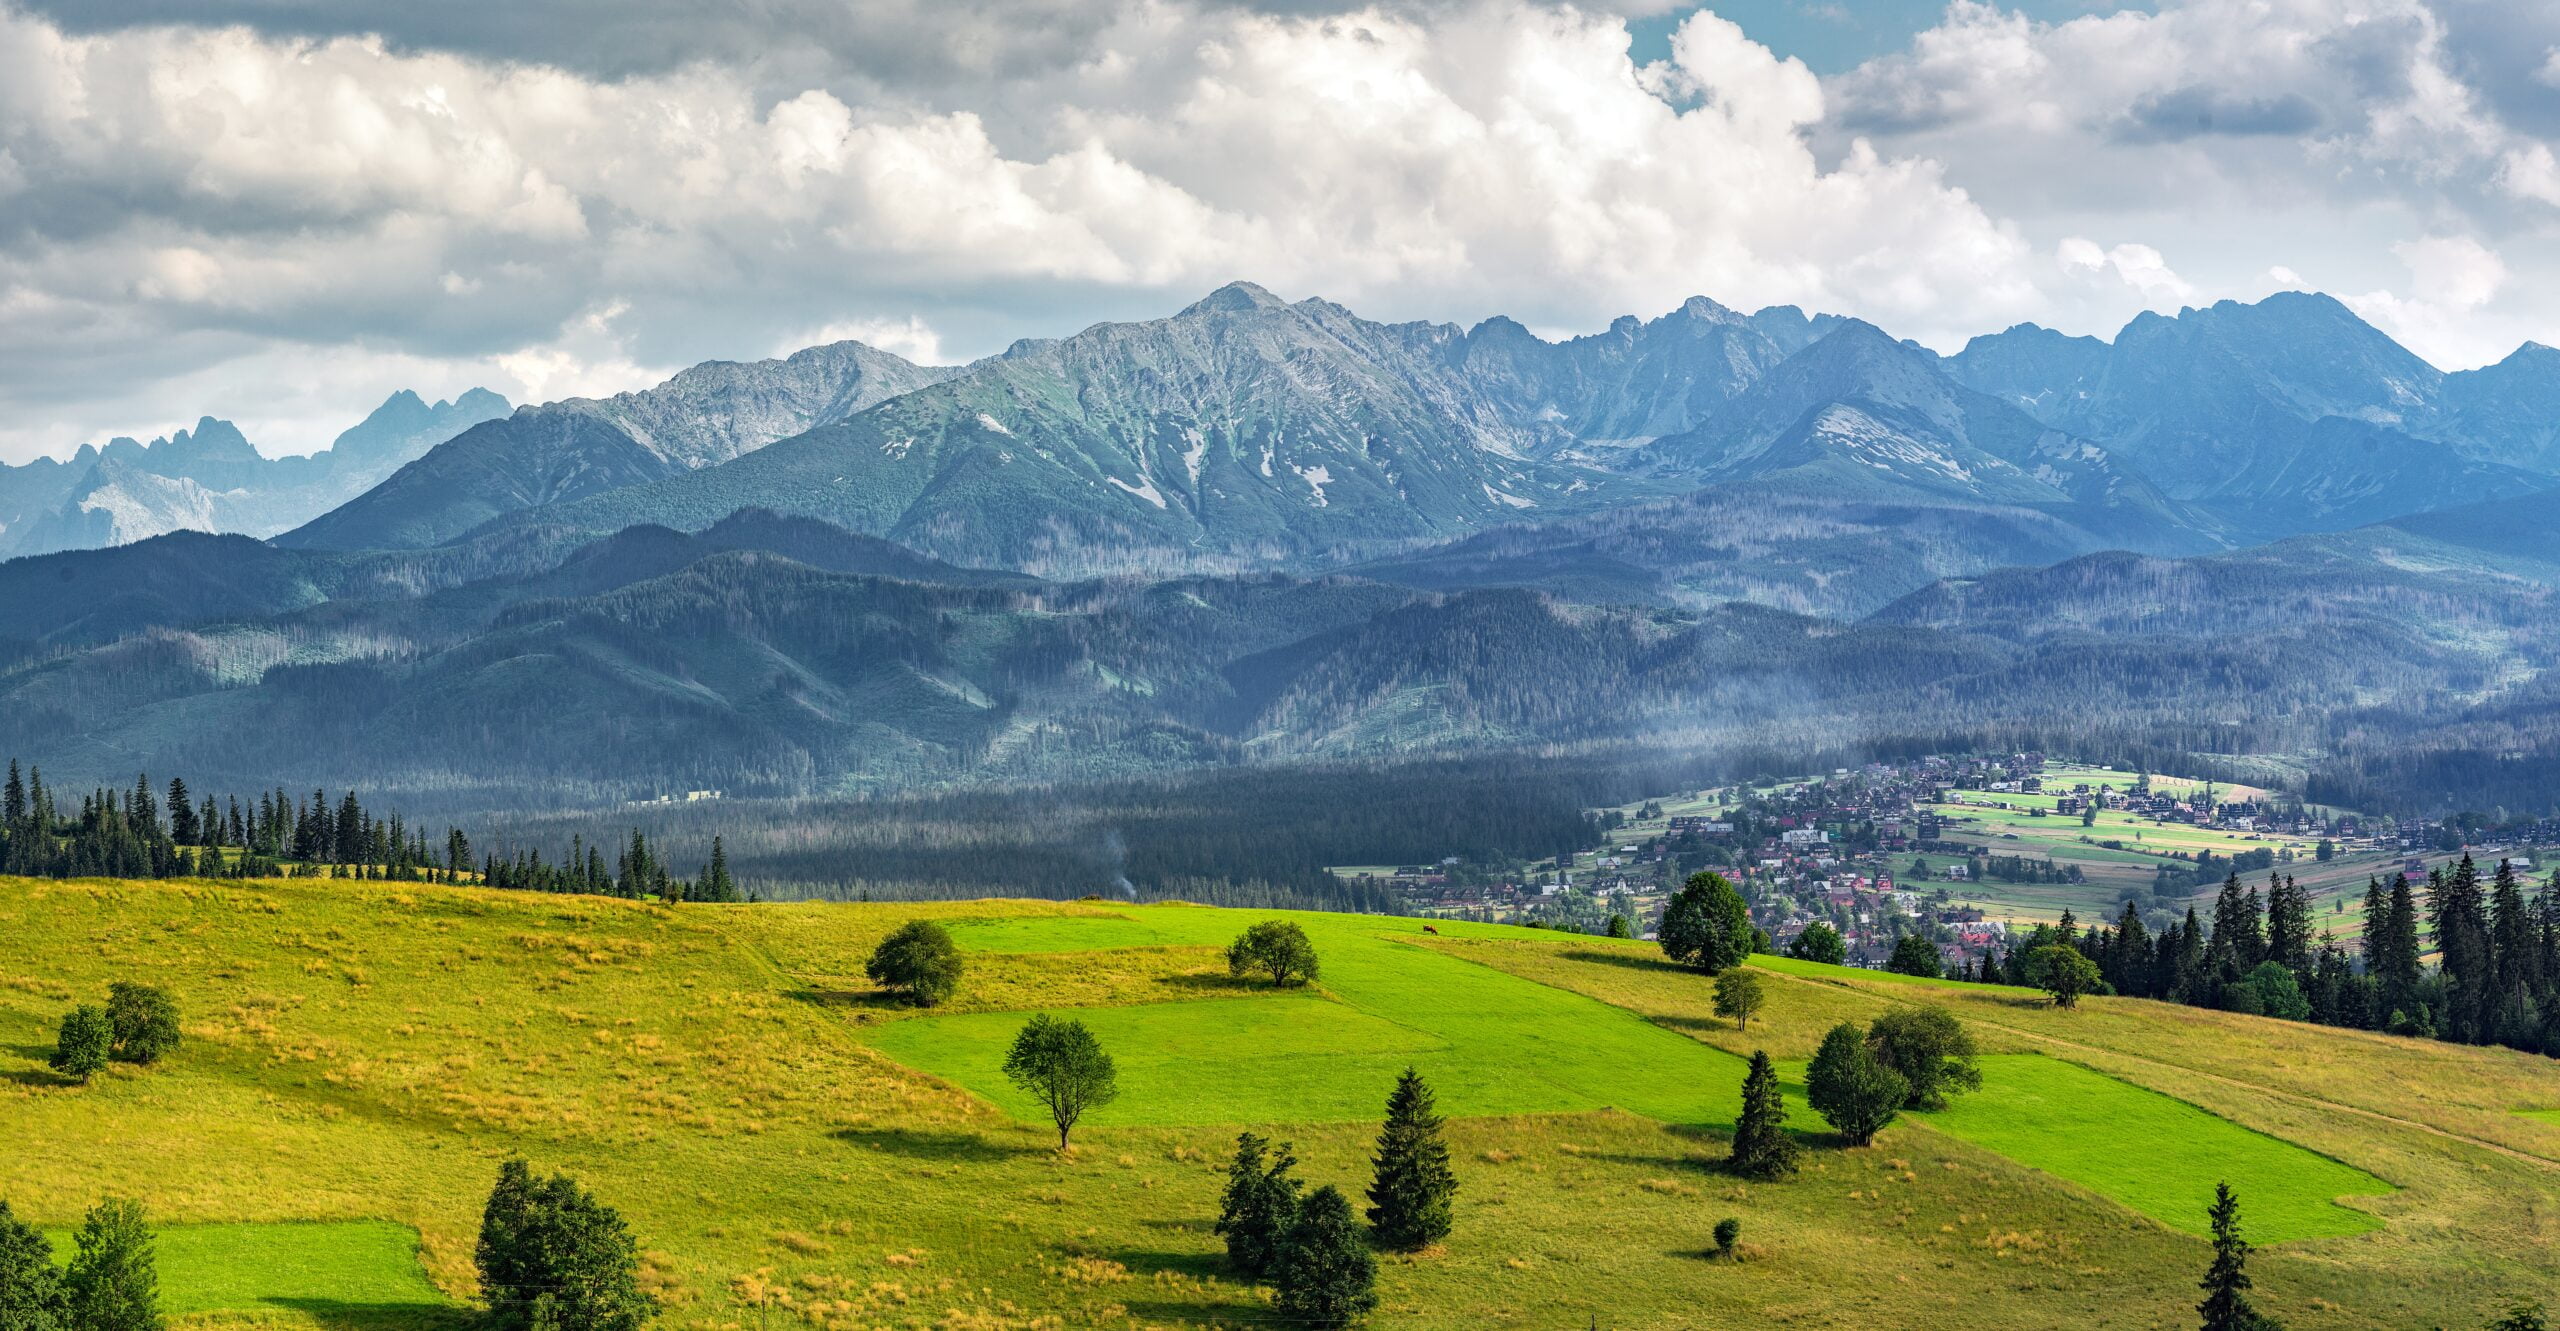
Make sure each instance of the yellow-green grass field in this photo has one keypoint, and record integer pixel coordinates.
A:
(364, 1053)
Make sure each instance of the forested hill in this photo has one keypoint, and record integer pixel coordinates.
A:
(780, 656)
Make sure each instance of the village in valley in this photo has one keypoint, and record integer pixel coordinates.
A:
(1957, 849)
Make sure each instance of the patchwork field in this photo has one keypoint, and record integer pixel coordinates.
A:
(793, 1148)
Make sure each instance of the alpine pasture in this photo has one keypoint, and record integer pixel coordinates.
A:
(796, 1148)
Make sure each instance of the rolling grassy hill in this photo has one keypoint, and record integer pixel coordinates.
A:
(794, 1149)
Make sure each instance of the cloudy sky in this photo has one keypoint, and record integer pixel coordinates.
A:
(279, 211)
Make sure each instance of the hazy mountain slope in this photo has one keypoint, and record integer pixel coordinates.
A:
(561, 451)
(1748, 542)
(1240, 431)
(2508, 412)
(2288, 415)
(1858, 416)
(212, 479)
(1633, 383)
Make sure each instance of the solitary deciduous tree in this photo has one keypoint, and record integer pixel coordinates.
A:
(1275, 948)
(1261, 1200)
(920, 960)
(1410, 1195)
(1706, 926)
(32, 1297)
(113, 1282)
(1931, 1049)
(1761, 1147)
(1063, 1065)
(1852, 1090)
(1738, 996)
(2063, 973)
(553, 1258)
(80, 1049)
(1324, 1276)
(1619, 927)
(142, 1022)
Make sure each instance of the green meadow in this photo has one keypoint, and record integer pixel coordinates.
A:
(797, 1152)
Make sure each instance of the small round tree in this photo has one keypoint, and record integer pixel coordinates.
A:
(1274, 948)
(1931, 1049)
(142, 1022)
(1061, 1064)
(81, 1047)
(919, 960)
(1850, 1089)
(1706, 926)
(1738, 996)
(1761, 1147)
(1915, 955)
(1819, 942)
(1728, 1232)
(2063, 973)
(1619, 927)
(1324, 1276)
(554, 1258)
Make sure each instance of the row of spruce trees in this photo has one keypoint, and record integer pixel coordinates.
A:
(2496, 981)
(154, 832)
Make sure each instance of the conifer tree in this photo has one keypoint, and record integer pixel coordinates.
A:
(1411, 1193)
(2226, 1304)
(1761, 1147)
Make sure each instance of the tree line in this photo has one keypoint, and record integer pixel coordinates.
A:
(2496, 981)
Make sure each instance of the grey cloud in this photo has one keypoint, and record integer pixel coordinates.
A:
(2194, 112)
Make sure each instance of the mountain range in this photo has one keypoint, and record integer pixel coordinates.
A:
(1259, 530)
(212, 479)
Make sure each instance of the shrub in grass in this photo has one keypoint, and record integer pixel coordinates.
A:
(80, 1049)
(553, 1258)
(1846, 1084)
(919, 960)
(1761, 1147)
(1409, 1199)
(1063, 1065)
(1931, 1049)
(142, 1022)
(1261, 1200)
(1324, 1276)
(1706, 926)
(2521, 1316)
(1274, 948)
(32, 1297)
(113, 1282)
(1727, 1231)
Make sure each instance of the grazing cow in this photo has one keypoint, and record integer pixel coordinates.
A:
(1430, 929)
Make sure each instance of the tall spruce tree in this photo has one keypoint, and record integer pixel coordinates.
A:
(2459, 919)
(1761, 1147)
(2226, 1305)
(2288, 924)
(1412, 1189)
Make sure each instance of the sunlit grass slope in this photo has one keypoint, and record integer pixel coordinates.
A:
(364, 1052)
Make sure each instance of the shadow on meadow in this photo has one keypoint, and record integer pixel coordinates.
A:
(863, 1000)
(1626, 958)
(943, 1147)
(1224, 985)
(341, 1315)
(39, 1071)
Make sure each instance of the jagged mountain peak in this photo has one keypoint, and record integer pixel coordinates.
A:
(1235, 298)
